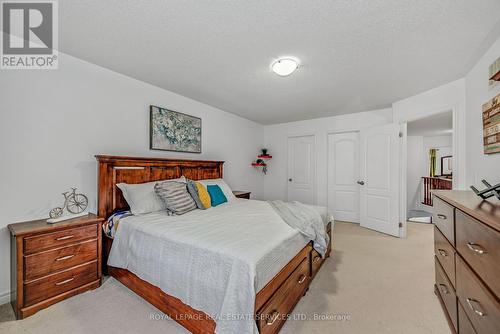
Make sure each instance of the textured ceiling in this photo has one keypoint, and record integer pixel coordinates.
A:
(356, 55)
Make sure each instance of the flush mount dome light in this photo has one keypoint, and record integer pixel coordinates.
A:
(285, 66)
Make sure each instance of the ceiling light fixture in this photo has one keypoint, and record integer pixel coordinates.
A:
(285, 66)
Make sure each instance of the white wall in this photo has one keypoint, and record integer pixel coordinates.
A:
(52, 123)
(275, 183)
(480, 165)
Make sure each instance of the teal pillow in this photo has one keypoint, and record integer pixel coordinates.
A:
(216, 195)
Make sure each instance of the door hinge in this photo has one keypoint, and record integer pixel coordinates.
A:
(400, 135)
(400, 224)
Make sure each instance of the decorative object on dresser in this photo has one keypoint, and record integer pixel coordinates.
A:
(273, 303)
(242, 194)
(467, 260)
(491, 125)
(490, 191)
(75, 203)
(262, 159)
(52, 262)
(174, 131)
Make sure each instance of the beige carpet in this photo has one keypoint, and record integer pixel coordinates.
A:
(372, 284)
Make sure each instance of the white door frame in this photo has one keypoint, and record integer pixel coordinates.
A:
(315, 176)
(328, 160)
(458, 155)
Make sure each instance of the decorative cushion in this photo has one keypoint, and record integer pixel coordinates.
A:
(193, 191)
(217, 197)
(141, 198)
(175, 196)
(223, 185)
(203, 195)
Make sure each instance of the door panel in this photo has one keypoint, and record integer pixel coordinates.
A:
(343, 172)
(301, 169)
(379, 170)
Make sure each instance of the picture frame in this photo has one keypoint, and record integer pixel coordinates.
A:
(170, 130)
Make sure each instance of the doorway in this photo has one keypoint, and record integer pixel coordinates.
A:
(302, 169)
(429, 163)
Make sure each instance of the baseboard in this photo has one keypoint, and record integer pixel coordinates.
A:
(4, 297)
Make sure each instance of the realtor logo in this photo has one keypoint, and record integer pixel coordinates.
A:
(29, 35)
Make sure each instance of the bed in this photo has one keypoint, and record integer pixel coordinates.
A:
(284, 263)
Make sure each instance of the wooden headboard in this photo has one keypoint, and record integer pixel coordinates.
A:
(115, 169)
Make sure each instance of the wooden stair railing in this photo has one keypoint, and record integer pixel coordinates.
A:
(433, 183)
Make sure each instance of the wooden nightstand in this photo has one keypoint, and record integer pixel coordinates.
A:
(52, 262)
(242, 194)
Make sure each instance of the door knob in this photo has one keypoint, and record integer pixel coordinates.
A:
(361, 183)
(289, 180)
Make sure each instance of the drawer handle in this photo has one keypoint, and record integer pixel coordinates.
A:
(444, 289)
(470, 301)
(65, 238)
(65, 257)
(65, 281)
(442, 252)
(316, 259)
(302, 278)
(441, 216)
(475, 248)
(272, 319)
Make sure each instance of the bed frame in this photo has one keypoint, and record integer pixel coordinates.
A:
(272, 303)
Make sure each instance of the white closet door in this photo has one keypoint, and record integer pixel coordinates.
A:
(343, 174)
(301, 169)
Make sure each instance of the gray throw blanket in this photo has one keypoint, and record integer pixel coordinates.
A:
(304, 219)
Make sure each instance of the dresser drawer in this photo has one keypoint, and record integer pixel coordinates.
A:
(56, 284)
(443, 218)
(479, 304)
(464, 324)
(57, 239)
(445, 254)
(44, 263)
(447, 293)
(479, 245)
(274, 313)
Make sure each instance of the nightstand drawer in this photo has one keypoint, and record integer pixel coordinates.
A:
(444, 218)
(57, 239)
(54, 285)
(41, 264)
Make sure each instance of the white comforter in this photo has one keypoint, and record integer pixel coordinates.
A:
(213, 260)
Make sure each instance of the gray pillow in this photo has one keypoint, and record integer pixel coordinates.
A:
(193, 191)
(175, 196)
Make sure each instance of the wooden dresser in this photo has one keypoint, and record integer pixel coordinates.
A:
(467, 260)
(52, 262)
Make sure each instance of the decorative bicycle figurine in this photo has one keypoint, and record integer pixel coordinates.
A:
(74, 202)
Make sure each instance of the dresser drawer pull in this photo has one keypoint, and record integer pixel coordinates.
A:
(442, 252)
(302, 278)
(444, 289)
(65, 257)
(65, 281)
(475, 248)
(441, 216)
(65, 238)
(471, 301)
(272, 319)
(316, 259)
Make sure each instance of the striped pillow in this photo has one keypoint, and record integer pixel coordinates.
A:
(176, 196)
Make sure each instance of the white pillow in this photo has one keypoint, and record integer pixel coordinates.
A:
(223, 186)
(142, 198)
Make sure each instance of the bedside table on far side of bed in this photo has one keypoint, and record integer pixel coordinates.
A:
(52, 262)
(242, 194)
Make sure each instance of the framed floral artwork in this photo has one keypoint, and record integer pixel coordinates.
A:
(174, 131)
